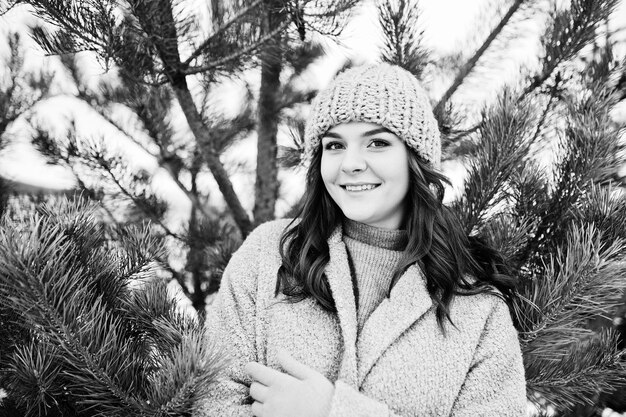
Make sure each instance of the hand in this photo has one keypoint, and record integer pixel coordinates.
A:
(301, 391)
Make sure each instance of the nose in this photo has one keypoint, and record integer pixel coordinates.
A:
(353, 161)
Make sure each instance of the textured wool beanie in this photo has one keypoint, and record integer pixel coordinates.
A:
(383, 94)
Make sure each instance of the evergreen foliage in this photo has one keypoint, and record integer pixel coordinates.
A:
(87, 328)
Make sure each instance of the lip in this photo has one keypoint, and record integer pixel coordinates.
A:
(356, 184)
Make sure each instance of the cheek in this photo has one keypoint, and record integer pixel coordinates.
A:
(397, 173)
(401, 186)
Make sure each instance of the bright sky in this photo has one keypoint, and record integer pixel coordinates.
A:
(447, 25)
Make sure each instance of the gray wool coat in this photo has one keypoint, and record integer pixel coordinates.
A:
(401, 364)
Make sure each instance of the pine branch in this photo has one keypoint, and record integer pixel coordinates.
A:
(140, 203)
(605, 207)
(504, 142)
(137, 98)
(471, 63)
(300, 57)
(248, 49)
(178, 390)
(131, 356)
(23, 90)
(173, 173)
(588, 367)
(401, 44)
(507, 233)
(290, 98)
(66, 153)
(40, 381)
(92, 102)
(554, 90)
(156, 19)
(589, 147)
(225, 130)
(45, 290)
(97, 159)
(326, 18)
(139, 249)
(221, 30)
(584, 280)
(291, 156)
(80, 25)
(569, 32)
(82, 188)
(176, 275)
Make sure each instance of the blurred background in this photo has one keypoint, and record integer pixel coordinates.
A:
(182, 121)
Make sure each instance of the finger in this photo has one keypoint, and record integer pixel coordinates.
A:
(258, 392)
(293, 367)
(263, 374)
(257, 409)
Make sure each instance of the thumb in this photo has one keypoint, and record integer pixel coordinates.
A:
(293, 367)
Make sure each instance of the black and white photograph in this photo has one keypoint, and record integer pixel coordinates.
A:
(312, 208)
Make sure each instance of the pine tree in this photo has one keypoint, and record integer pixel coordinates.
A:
(144, 39)
(243, 37)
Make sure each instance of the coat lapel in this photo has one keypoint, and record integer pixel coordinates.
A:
(408, 302)
(338, 274)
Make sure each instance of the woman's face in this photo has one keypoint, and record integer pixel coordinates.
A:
(366, 172)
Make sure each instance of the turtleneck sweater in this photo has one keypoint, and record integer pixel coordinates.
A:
(374, 253)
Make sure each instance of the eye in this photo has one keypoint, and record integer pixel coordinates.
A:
(379, 143)
(333, 146)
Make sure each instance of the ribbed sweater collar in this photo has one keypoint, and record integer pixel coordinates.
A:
(383, 238)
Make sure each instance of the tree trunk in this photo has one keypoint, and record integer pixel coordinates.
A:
(266, 187)
(195, 264)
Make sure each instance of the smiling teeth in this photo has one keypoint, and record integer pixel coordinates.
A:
(360, 187)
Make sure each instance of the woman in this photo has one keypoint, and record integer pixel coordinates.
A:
(372, 302)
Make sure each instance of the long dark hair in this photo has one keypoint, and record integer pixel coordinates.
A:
(452, 262)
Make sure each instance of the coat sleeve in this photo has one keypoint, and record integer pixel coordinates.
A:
(495, 384)
(231, 323)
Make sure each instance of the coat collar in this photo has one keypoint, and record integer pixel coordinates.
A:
(408, 302)
(338, 275)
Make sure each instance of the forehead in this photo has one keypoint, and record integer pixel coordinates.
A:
(356, 129)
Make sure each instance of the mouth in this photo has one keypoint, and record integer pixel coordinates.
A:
(359, 187)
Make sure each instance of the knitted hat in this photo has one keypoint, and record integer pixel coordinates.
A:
(383, 94)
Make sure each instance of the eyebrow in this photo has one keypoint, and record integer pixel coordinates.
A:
(368, 133)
